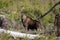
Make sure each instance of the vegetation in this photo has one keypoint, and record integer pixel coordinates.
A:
(34, 8)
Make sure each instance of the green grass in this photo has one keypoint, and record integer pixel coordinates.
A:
(34, 8)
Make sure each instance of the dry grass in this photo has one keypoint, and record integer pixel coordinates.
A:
(34, 8)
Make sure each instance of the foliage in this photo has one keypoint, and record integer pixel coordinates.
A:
(34, 8)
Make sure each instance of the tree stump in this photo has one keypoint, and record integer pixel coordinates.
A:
(57, 24)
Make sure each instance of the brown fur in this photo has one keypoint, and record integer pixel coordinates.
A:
(29, 23)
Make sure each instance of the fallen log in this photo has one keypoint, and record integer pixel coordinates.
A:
(18, 34)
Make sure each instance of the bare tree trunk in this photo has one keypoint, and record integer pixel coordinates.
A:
(57, 24)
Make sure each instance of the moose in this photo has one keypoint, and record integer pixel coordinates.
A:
(29, 23)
